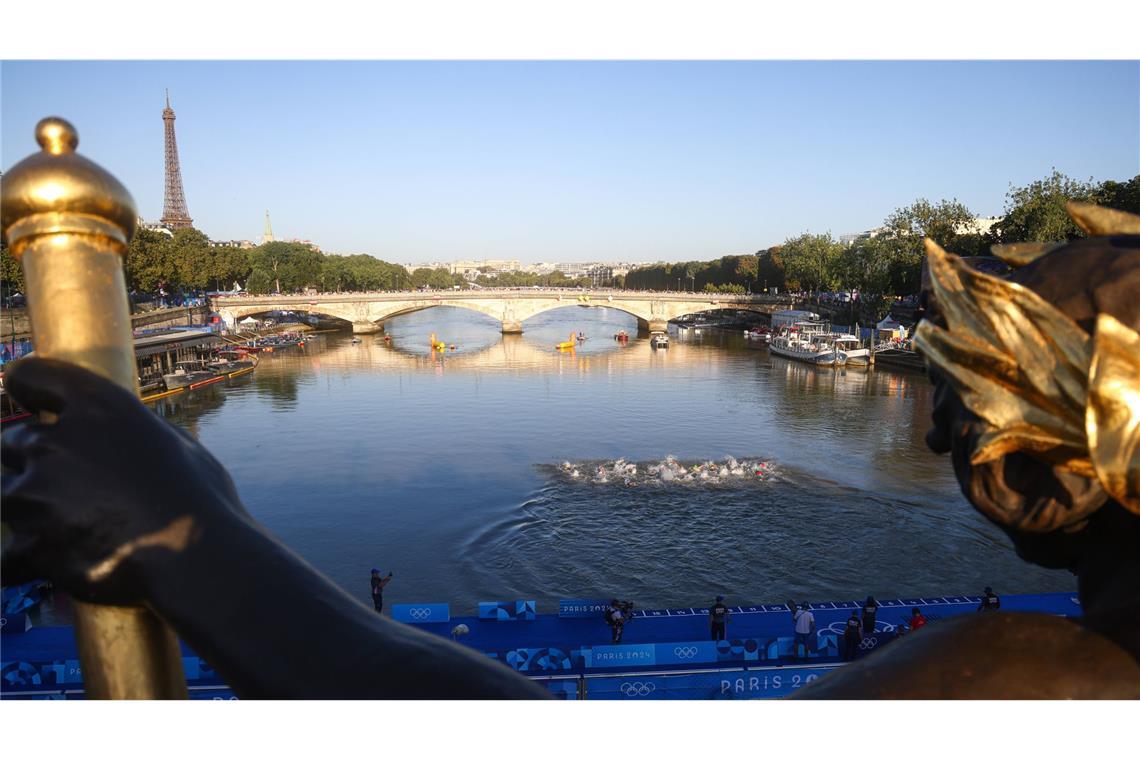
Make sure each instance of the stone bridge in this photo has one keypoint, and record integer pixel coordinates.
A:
(368, 311)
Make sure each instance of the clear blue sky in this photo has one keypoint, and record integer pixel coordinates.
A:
(574, 161)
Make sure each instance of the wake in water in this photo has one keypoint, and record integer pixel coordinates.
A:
(670, 470)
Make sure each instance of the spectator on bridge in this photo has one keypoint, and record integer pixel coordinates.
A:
(917, 619)
(990, 601)
(718, 617)
(870, 610)
(852, 637)
(805, 629)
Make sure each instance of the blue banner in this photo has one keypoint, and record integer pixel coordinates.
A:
(686, 652)
(520, 610)
(620, 656)
(732, 684)
(562, 689)
(421, 613)
(582, 608)
(539, 659)
(14, 622)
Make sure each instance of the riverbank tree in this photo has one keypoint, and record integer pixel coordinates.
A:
(888, 262)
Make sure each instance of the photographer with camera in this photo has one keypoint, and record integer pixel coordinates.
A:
(617, 615)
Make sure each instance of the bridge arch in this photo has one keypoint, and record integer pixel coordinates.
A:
(367, 312)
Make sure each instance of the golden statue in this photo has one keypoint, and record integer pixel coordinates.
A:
(1038, 401)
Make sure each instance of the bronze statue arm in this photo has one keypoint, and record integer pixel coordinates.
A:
(117, 506)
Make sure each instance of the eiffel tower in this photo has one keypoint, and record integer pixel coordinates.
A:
(174, 213)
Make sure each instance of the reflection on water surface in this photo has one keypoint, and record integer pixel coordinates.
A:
(445, 468)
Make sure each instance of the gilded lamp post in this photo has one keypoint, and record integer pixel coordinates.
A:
(68, 221)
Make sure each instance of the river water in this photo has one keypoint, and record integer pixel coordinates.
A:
(448, 469)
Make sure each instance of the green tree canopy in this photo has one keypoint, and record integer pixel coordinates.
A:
(1036, 212)
(1122, 196)
(813, 261)
(11, 274)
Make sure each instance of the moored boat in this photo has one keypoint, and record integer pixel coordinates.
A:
(852, 348)
(189, 374)
(808, 342)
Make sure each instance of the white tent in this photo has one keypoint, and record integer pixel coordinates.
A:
(891, 328)
(249, 321)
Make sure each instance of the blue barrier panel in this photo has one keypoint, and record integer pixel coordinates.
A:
(562, 689)
(14, 622)
(520, 610)
(766, 684)
(219, 694)
(686, 652)
(582, 608)
(538, 660)
(825, 646)
(496, 611)
(730, 684)
(686, 686)
(421, 613)
(619, 656)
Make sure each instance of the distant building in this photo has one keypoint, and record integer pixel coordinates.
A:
(851, 237)
(155, 227)
(601, 276)
(981, 225)
(267, 235)
(306, 243)
(245, 245)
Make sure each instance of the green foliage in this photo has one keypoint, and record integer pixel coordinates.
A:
(731, 287)
(770, 272)
(149, 262)
(281, 267)
(814, 261)
(11, 275)
(698, 275)
(941, 222)
(1036, 212)
(194, 259)
(1122, 196)
(531, 280)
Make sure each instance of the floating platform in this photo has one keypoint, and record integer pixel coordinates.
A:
(664, 654)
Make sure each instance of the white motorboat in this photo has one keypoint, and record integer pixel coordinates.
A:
(808, 342)
(659, 340)
(852, 348)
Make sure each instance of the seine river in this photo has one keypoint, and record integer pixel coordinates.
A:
(448, 468)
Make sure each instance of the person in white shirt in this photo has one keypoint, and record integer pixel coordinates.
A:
(805, 630)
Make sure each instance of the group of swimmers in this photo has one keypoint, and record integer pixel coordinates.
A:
(670, 470)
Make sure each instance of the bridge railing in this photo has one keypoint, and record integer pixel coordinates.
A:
(499, 292)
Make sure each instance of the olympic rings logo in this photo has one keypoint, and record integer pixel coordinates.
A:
(637, 689)
(685, 653)
(420, 613)
(868, 643)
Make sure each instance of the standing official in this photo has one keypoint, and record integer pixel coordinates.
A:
(718, 616)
